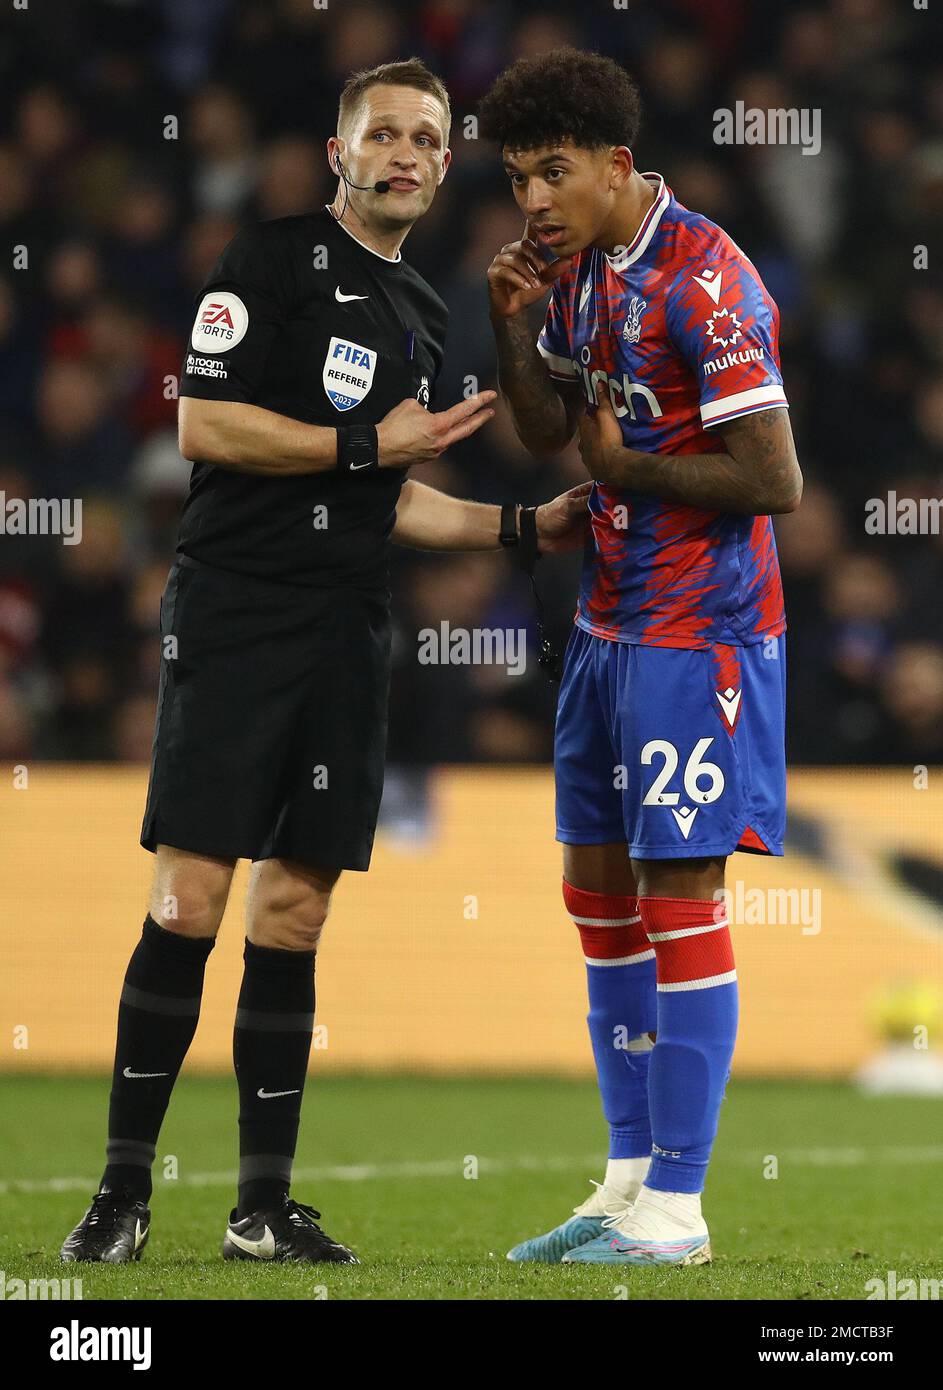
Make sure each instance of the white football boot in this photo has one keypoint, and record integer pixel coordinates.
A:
(659, 1228)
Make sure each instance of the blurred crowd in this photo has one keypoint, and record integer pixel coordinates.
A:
(136, 139)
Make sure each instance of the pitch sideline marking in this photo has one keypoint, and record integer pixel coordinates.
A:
(850, 1157)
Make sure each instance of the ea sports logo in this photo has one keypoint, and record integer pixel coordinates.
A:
(215, 314)
(221, 322)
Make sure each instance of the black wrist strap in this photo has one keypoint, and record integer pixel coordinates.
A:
(357, 449)
(528, 551)
(508, 533)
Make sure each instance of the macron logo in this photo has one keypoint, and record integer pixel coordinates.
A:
(711, 282)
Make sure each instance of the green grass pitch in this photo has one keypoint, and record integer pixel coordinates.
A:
(389, 1162)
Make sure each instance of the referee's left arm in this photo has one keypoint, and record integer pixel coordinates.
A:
(427, 519)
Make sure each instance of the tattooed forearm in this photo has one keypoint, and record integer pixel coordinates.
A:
(762, 444)
(713, 482)
(542, 421)
(759, 475)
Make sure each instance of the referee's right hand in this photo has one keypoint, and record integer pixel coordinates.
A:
(411, 434)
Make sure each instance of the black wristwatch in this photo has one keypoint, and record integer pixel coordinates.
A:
(519, 530)
(357, 449)
(508, 533)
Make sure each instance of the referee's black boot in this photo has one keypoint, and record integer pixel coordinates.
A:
(288, 1232)
(113, 1231)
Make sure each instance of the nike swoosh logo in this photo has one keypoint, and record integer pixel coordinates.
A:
(344, 298)
(140, 1234)
(141, 1075)
(268, 1095)
(354, 466)
(263, 1249)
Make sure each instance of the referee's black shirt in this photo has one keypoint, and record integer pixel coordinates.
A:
(299, 317)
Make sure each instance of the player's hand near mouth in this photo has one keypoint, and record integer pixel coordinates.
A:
(545, 412)
(519, 275)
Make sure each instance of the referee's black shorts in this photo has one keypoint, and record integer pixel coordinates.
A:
(271, 719)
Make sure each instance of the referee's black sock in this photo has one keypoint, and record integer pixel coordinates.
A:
(157, 1017)
(271, 1042)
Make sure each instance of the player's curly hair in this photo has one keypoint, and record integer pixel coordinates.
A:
(565, 93)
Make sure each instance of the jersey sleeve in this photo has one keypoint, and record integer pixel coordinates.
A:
(553, 341)
(726, 327)
(241, 309)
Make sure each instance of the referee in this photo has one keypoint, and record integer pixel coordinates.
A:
(305, 396)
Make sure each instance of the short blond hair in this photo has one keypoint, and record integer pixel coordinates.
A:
(410, 72)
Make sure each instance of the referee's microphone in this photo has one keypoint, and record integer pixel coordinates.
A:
(381, 186)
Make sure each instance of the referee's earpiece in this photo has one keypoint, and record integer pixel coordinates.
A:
(381, 186)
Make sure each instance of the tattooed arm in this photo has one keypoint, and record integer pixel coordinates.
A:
(758, 475)
(545, 412)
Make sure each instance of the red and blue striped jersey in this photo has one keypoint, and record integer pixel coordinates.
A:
(683, 330)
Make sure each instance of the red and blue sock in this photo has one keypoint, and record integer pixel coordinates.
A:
(697, 1030)
(620, 972)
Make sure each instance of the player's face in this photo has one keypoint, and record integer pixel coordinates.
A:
(400, 136)
(565, 193)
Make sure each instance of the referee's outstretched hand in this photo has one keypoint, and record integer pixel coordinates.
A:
(411, 434)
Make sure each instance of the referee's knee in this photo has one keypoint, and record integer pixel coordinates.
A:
(189, 892)
(291, 923)
(187, 913)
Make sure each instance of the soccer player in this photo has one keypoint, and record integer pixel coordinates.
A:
(305, 398)
(660, 349)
